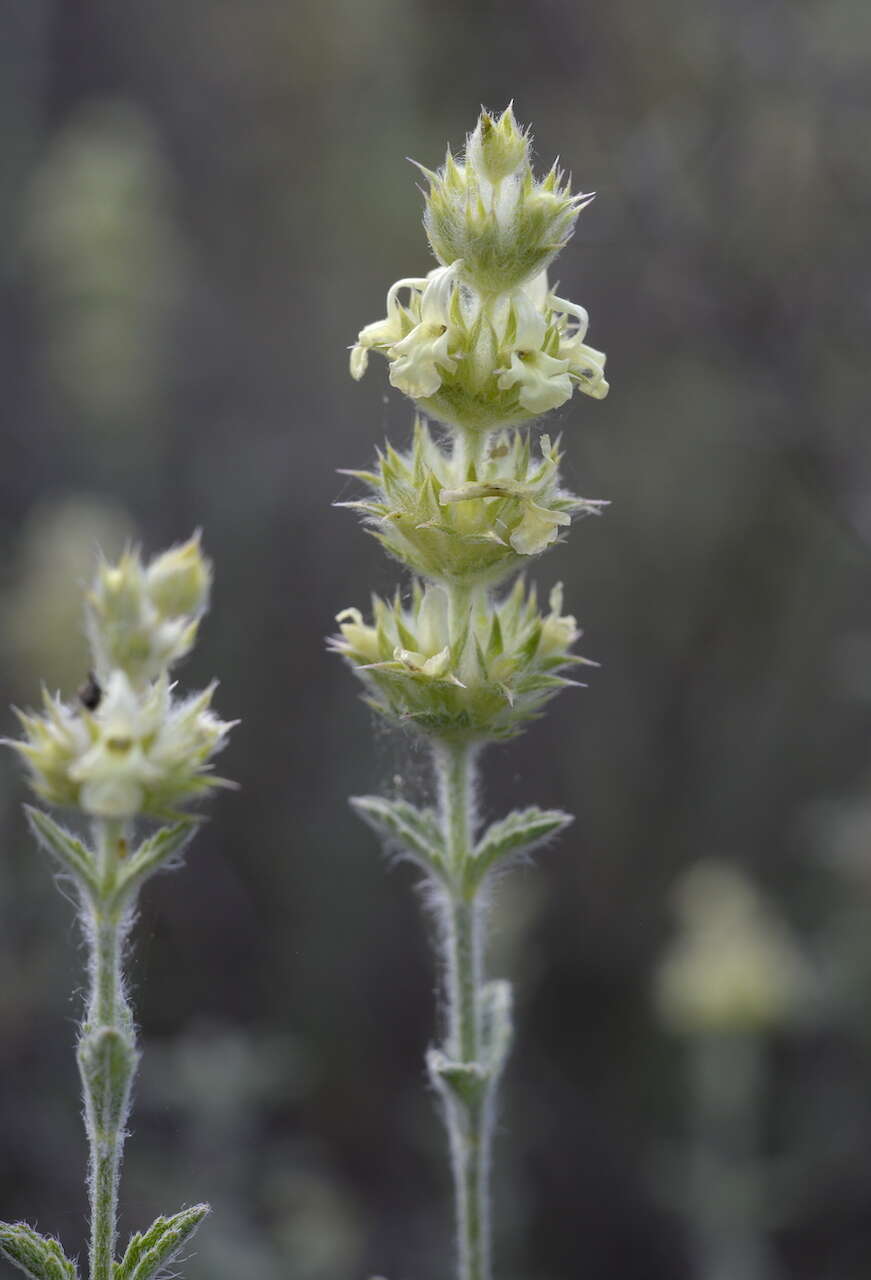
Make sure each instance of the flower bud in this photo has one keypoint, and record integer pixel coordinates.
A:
(488, 210)
(178, 581)
(497, 148)
(143, 620)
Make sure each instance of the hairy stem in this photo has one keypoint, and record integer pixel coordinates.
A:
(107, 1049)
(455, 770)
(467, 1114)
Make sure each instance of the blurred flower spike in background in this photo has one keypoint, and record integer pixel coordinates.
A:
(143, 620)
(126, 746)
(734, 965)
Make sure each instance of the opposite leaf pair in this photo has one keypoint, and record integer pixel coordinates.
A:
(415, 834)
(42, 1257)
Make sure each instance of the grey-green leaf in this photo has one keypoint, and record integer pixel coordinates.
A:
(107, 1063)
(519, 833)
(74, 856)
(148, 1252)
(158, 851)
(498, 1028)
(39, 1257)
(401, 825)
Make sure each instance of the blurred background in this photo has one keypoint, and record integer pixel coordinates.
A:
(201, 202)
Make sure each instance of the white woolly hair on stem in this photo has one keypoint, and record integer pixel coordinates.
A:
(122, 750)
(482, 346)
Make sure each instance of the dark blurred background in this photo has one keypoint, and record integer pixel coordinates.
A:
(201, 202)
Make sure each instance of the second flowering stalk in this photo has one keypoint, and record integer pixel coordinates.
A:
(482, 346)
(123, 750)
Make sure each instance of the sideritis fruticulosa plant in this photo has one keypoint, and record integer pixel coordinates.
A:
(482, 346)
(124, 751)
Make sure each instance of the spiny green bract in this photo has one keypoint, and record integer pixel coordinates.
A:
(483, 680)
(468, 524)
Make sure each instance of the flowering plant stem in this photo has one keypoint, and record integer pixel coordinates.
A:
(125, 749)
(106, 1077)
(482, 345)
(468, 1120)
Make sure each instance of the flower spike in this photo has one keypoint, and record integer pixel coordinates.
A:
(482, 345)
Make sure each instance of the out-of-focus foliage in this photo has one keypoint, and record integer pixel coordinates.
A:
(106, 267)
(43, 634)
(199, 205)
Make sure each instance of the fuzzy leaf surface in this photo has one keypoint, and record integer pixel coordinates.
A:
(148, 1252)
(519, 833)
(39, 1257)
(160, 850)
(107, 1063)
(74, 856)
(498, 1028)
(400, 824)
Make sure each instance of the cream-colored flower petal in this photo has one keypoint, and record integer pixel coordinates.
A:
(418, 361)
(435, 303)
(536, 290)
(538, 528)
(359, 361)
(542, 380)
(530, 323)
(578, 326)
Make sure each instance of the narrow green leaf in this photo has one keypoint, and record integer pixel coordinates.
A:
(401, 825)
(39, 1257)
(495, 644)
(160, 850)
(519, 833)
(530, 646)
(481, 659)
(408, 639)
(107, 1063)
(149, 1252)
(498, 1027)
(74, 856)
(537, 684)
(367, 477)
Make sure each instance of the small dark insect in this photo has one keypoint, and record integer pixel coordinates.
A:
(90, 693)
